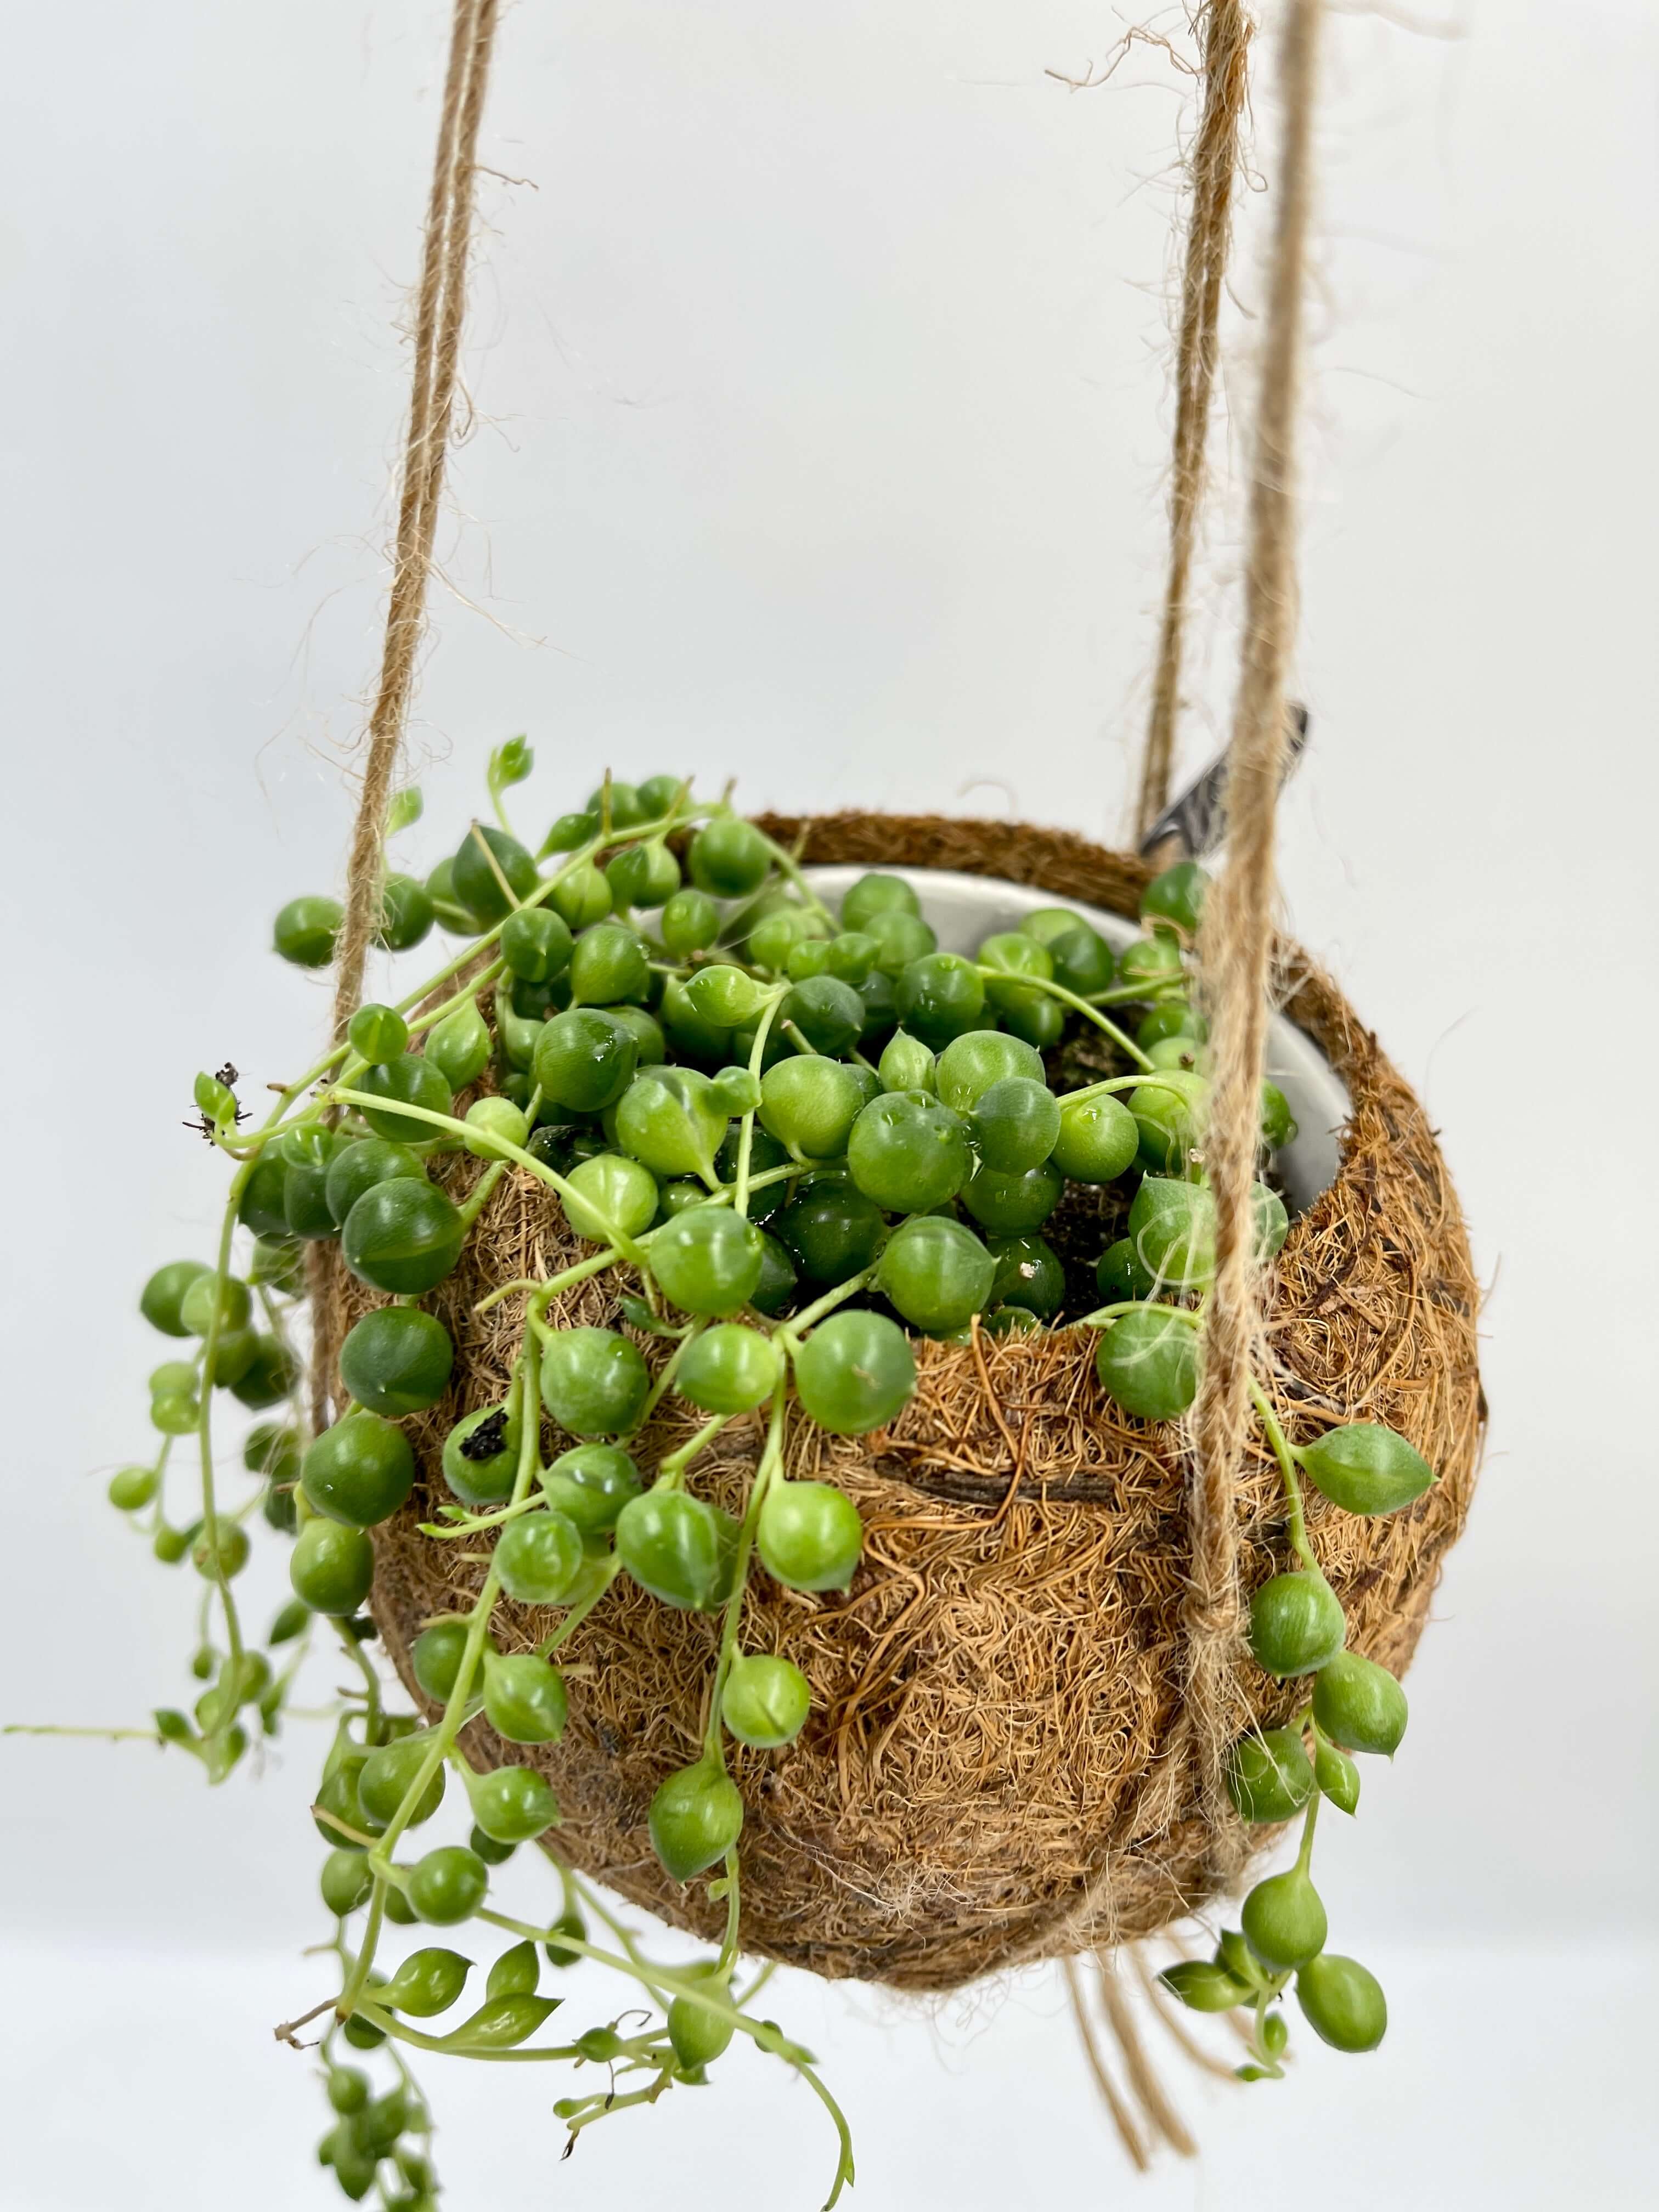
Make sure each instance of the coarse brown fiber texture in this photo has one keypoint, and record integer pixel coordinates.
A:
(997, 1767)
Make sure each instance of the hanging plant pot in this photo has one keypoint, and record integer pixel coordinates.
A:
(998, 1766)
(765, 1518)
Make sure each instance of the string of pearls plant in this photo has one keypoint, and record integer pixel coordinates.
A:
(800, 1138)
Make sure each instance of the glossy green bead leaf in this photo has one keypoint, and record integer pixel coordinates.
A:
(940, 997)
(854, 1373)
(357, 1166)
(1284, 1920)
(1269, 1776)
(1203, 1986)
(1013, 1205)
(387, 1776)
(306, 930)
(728, 1368)
(501, 2024)
(1343, 2002)
(1366, 1468)
(525, 1698)
(1015, 1125)
(401, 1237)
(588, 1487)
(677, 1548)
(378, 1034)
(1360, 1705)
(490, 872)
(937, 1274)
(540, 1558)
(447, 1886)
(459, 1046)
(707, 1261)
(765, 1700)
(899, 938)
(909, 1152)
(690, 922)
(1297, 1624)
(1177, 896)
(510, 764)
(412, 1080)
(809, 1535)
(359, 1472)
(876, 893)
(331, 1567)
(427, 1982)
(397, 1361)
(829, 1013)
(695, 1818)
(436, 1656)
(595, 1381)
(1148, 1362)
(1153, 963)
(1171, 1111)
(585, 1059)
(671, 1121)
(1337, 1776)
(646, 875)
(494, 1126)
(481, 1455)
(1083, 961)
(514, 1805)
(515, 1973)
(810, 1105)
(608, 965)
(729, 859)
(1172, 1229)
(698, 2033)
(1098, 1139)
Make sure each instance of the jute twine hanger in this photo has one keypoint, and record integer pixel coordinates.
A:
(439, 312)
(1235, 941)
(1237, 938)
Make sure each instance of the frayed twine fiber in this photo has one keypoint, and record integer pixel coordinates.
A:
(1225, 29)
(1236, 944)
(440, 314)
(996, 1767)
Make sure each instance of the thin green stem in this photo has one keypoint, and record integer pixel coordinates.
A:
(205, 1435)
(579, 1612)
(1157, 1080)
(625, 1244)
(543, 1291)
(665, 1373)
(1139, 994)
(1124, 1043)
(1295, 1519)
(791, 1330)
(1192, 1315)
(456, 1710)
(670, 1469)
(741, 1186)
(1304, 1855)
(765, 1473)
(392, 2025)
(359, 1658)
(785, 862)
(480, 1194)
(92, 1734)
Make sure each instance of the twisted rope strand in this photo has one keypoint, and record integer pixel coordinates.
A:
(1225, 31)
(1238, 931)
(441, 307)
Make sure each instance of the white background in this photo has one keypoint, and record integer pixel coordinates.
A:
(820, 409)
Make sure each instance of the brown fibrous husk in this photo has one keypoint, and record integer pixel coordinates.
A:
(997, 1767)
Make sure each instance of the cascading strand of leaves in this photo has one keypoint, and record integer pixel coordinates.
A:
(797, 1139)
